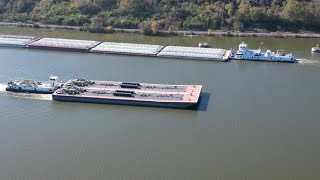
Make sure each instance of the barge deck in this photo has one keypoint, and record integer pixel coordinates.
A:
(95, 84)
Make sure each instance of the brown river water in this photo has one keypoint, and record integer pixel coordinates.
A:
(258, 120)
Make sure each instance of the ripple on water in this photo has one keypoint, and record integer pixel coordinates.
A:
(2, 87)
(45, 97)
(309, 61)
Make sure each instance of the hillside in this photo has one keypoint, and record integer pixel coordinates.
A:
(240, 15)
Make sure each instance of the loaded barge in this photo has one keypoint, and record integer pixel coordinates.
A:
(63, 44)
(127, 49)
(181, 52)
(123, 93)
(16, 41)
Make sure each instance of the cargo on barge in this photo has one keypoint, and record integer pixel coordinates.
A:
(96, 84)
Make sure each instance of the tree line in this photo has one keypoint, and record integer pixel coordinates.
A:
(151, 15)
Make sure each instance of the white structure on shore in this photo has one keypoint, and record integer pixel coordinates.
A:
(315, 49)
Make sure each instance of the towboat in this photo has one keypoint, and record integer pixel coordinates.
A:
(30, 86)
(244, 53)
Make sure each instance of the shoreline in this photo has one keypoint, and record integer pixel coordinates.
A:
(176, 33)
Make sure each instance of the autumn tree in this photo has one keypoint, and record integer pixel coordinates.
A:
(154, 27)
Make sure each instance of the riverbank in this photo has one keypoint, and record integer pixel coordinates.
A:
(178, 33)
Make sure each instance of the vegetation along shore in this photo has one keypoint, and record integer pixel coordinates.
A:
(179, 33)
(169, 17)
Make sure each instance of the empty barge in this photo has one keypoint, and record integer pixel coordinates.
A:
(122, 93)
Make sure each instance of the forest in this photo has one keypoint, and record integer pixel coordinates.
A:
(152, 15)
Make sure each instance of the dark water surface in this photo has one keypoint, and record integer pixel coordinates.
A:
(262, 120)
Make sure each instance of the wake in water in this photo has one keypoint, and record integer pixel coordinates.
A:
(309, 61)
(46, 97)
(2, 87)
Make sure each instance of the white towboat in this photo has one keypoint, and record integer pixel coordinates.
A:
(315, 49)
(29, 86)
(244, 53)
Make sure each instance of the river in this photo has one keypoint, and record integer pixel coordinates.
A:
(259, 121)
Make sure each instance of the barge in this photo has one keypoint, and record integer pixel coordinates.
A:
(30, 86)
(127, 49)
(63, 44)
(16, 41)
(137, 94)
(211, 54)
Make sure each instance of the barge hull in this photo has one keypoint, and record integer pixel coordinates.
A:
(193, 58)
(13, 45)
(123, 53)
(177, 105)
(29, 91)
(58, 48)
(279, 61)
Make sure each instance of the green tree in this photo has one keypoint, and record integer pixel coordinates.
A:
(25, 5)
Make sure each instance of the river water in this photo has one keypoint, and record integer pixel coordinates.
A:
(257, 121)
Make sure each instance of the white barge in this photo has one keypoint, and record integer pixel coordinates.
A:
(16, 41)
(63, 44)
(211, 54)
(244, 53)
(127, 49)
(30, 86)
